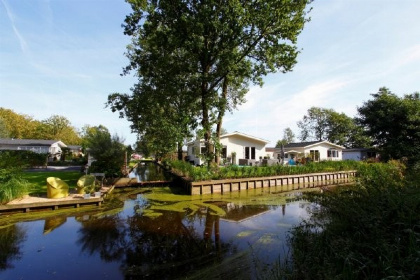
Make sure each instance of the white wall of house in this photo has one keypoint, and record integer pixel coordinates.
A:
(324, 150)
(243, 145)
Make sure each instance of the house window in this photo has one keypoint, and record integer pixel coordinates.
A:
(314, 155)
(224, 152)
(202, 150)
(332, 153)
(249, 152)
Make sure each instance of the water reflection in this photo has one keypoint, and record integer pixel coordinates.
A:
(155, 234)
(11, 240)
(149, 171)
(105, 236)
(52, 223)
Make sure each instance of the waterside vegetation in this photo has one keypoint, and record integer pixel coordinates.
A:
(214, 172)
(367, 231)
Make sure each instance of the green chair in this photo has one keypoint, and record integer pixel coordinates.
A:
(86, 184)
(57, 188)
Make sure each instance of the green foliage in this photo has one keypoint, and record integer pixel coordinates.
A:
(21, 159)
(22, 126)
(13, 188)
(367, 231)
(202, 173)
(38, 184)
(12, 185)
(326, 124)
(195, 60)
(394, 124)
(107, 151)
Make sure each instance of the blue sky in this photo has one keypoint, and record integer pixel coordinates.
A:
(64, 57)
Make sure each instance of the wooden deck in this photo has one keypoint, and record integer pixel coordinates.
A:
(30, 203)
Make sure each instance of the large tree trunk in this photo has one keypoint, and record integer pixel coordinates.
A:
(221, 115)
(205, 122)
(180, 151)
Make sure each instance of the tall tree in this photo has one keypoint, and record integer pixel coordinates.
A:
(211, 45)
(314, 125)
(20, 126)
(4, 132)
(288, 137)
(326, 124)
(59, 128)
(393, 123)
(107, 150)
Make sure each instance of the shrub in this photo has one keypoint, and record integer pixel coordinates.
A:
(12, 189)
(368, 231)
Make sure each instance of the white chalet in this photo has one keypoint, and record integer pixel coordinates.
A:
(238, 148)
(316, 150)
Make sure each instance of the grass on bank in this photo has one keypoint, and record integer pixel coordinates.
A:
(38, 180)
(369, 231)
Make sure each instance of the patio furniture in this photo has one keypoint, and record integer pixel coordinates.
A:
(57, 188)
(85, 184)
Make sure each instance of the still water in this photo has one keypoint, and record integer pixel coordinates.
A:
(153, 233)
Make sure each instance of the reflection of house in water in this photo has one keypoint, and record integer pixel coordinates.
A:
(52, 223)
(239, 212)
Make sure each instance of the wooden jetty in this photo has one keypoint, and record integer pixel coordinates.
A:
(29, 203)
(73, 200)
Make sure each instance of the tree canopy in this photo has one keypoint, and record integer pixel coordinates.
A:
(108, 151)
(326, 124)
(288, 137)
(204, 54)
(21, 126)
(393, 122)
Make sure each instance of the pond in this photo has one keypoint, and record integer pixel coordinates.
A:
(153, 233)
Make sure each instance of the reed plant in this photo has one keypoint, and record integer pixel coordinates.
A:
(367, 231)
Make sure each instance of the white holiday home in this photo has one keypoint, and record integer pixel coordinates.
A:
(237, 148)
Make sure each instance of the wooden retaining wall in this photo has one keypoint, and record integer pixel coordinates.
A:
(296, 181)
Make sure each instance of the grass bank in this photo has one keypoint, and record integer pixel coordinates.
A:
(368, 231)
(197, 173)
(38, 180)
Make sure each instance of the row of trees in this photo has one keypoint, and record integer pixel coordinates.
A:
(195, 60)
(387, 122)
(107, 149)
(20, 126)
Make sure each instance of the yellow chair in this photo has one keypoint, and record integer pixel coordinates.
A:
(57, 188)
(86, 184)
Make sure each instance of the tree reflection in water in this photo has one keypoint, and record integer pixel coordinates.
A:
(105, 235)
(11, 239)
(165, 248)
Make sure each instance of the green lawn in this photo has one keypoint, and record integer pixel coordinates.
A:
(38, 179)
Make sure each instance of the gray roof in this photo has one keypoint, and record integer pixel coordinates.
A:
(301, 144)
(27, 142)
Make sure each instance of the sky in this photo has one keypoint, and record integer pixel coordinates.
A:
(64, 57)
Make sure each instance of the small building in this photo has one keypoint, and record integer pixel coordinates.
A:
(315, 150)
(51, 147)
(237, 148)
(359, 154)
